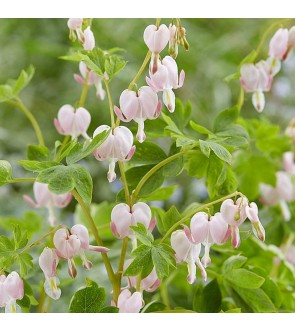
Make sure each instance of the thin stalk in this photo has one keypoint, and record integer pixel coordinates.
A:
(138, 281)
(83, 96)
(105, 257)
(110, 103)
(154, 170)
(19, 104)
(125, 184)
(140, 71)
(122, 257)
(63, 144)
(200, 208)
(240, 102)
(17, 180)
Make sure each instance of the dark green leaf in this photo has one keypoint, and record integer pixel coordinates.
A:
(207, 299)
(161, 194)
(147, 153)
(234, 262)
(244, 278)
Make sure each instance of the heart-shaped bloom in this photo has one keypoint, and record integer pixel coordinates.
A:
(129, 303)
(149, 283)
(122, 217)
(256, 79)
(188, 252)
(165, 79)
(91, 78)
(48, 261)
(72, 122)
(11, 289)
(252, 214)
(156, 40)
(289, 162)
(234, 214)
(117, 146)
(173, 41)
(207, 230)
(86, 37)
(45, 198)
(278, 45)
(89, 41)
(138, 107)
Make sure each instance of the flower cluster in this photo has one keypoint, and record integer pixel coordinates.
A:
(208, 230)
(257, 78)
(84, 34)
(11, 289)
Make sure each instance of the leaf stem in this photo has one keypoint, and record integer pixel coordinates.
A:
(125, 184)
(19, 104)
(105, 257)
(140, 71)
(200, 208)
(17, 180)
(110, 103)
(83, 96)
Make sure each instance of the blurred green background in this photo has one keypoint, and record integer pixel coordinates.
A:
(216, 48)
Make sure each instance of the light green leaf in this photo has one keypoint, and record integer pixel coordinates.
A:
(5, 172)
(6, 93)
(244, 278)
(200, 129)
(23, 80)
(142, 234)
(161, 194)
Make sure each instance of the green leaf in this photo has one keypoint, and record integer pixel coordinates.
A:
(208, 299)
(62, 179)
(162, 260)
(25, 262)
(161, 194)
(200, 129)
(142, 262)
(205, 148)
(6, 93)
(197, 164)
(20, 238)
(225, 118)
(80, 151)
(36, 166)
(182, 114)
(174, 167)
(109, 310)
(142, 234)
(89, 299)
(220, 151)
(5, 172)
(147, 153)
(272, 291)
(234, 262)
(23, 80)
(216, 175)
(153, 306)
(38, 153)
(244, 278)
(168, 220)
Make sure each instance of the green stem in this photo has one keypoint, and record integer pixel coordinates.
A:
(105, 257)
(141, 69)
(154, 170)
(125, 184)
(138, 282)
(110, 103)
(200, 208)
(240, 102)
(83, 96)
(19, 104)
(17, 180)
(63, 144)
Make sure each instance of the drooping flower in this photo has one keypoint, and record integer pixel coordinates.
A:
(188, 252)
(45, 198)
(279, 44)
(148, 284)
(156, 40)
(92, 79)
(138, 107)
(117, 146)
(234, 214)
(72, 122)
(173, 41)
(122, 217)
(86, 37)
(129, 303)
(289, 162)
(48, 261)
(11, 289)
(207, 230)
(74, 242)
(89, 41)
(256, 79)
(165, 79)
(252, 214)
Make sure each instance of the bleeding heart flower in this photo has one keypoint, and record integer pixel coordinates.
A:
(165, 79)
(11, 289)
(130, 303)
(289, 162)
(45, 198)
(138, 107)
(188, 252)
(117, 146)
(156, 40)
(252, 214)
(72, 122)
(279, 44)
(86, 37)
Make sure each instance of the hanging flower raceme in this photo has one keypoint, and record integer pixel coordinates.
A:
(139, 106)
(122, 217)
(156, 40)
(45, 198)
(188, 252)
(91, 78)
(256, 79)
(72, 122)
(282, 193)
(129, 303)
(166, 79)
(11, 289)
(117, 147)
(86, 37)
(72, 243)
(149, 284)
(48, 261)
(207, 230)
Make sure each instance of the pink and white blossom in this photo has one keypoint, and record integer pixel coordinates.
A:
(86, 37)
(11, 289)
(156, 40)
(91, 78)
(139, 106)
(278, 45)
(165, 79)
(252, 214)
(45, 198)
(130, 303)
(188, 252)
(48, 261)
(73, 122)
(289, 162)
(117, 147)
(173, 41)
